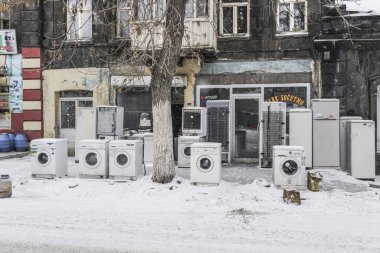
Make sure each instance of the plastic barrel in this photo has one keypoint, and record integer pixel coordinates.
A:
(5, 143)
(12, 136)
(21, 142)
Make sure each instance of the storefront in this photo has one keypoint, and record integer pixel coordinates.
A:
(245, 102)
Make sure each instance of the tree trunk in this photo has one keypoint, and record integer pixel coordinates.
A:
(162, 76)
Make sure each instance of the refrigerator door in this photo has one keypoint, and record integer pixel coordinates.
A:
(301, 132)
(326, 133)
(361, 149)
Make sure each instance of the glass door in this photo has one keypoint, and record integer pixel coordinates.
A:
(245, 128)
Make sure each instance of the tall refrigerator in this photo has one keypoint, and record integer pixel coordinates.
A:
(85, 126)
(326, 133)
(342, 132)
(361, 149)
(301, 132)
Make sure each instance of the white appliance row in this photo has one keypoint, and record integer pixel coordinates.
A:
(97, 158)
(114, 159)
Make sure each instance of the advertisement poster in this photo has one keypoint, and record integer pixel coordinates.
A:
(8, 42)
(15, 94)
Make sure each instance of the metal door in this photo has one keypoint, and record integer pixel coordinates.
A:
(245, 128)
(67, 108)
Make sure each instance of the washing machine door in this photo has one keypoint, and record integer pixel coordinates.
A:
(290, 167)
(92, 159)
(186, 151)
(205, 163)
(43, 158)
(122, 159)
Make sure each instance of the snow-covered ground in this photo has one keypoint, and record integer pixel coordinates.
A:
(88, 215)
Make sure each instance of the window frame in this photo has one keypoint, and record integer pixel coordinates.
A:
(195, 10)
(291, 18)
(154, 12)
(119, 9)
(234, 5)
(83, 23)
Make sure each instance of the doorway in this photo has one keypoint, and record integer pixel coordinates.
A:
(245, 128)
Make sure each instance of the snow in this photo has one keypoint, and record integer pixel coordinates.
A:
(362, 6)
(240, 215)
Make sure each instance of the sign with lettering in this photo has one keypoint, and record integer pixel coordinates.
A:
(288, 98)
(15, 94)
(8, 42)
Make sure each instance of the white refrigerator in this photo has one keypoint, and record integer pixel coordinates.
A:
(361, 149)
(301, 132)
(342, 132)
(85, 126)
(326, 133)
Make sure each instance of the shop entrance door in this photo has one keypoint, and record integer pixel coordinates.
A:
(67, 108)
(245, 129)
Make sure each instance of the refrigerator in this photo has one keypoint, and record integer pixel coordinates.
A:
(342, 132)
(110, 121)
(326, 133)
(301, 132)
(85, 126)
(361, 149)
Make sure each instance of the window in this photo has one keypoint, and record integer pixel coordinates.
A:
(234, 17)
(150, 10)
(292, 16)
(197, 8)
(79, 19)
(124, 9)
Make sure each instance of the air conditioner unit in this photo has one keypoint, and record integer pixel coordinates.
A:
(272, 130)
(219, 125)
(194, 121)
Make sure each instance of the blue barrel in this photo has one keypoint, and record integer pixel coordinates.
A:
(5, 143)
(12, 136)
(21, 142)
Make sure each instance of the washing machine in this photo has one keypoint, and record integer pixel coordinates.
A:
(93, 158)
(184, 149)
(289, 169)
(49, 157)
(206, 162)
(125, 159)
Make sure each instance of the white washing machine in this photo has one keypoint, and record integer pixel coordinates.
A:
(289, 169)
(184, 150)
(206, 162)
(125, 158)
(93, 158)
(49, 157)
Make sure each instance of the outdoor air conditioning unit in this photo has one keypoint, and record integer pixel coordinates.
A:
(272, 130)
(219, 125)
(194, 121)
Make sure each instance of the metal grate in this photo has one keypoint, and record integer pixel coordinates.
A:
(218, 124)
(273, 133)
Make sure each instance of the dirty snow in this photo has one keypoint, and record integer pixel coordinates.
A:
(88, 215)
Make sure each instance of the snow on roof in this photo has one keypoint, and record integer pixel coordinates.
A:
(362, 6)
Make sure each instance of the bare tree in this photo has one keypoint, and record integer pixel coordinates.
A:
(162, 75)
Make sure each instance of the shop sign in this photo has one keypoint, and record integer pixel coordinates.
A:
(8, 42)
(288, 98)
(15, 94)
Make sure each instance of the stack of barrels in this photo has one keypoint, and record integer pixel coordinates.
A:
(11, 142)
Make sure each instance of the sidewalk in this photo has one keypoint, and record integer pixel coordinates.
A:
(13, 154)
